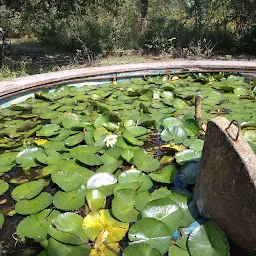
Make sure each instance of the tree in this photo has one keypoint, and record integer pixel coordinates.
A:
(144, 16)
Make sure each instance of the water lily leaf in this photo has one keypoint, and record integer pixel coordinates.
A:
(4, 186)
(174, 133)
(36, 226)
(89, 159)
(152, 232)
(67, 228)
(102, 181)
(26, 126)
(67, 180)
(74, 140)
(111, 155)
(179, 248)
(56, 248)
(141, 199)
(195, 144)
(48, 156)
(179, 104)
(131, 139)
(27, 158)
(96, 222)
(35, 205)
(63, 134)
(188, 172)
(68, 201)
(127, 154)
(137, 131)
(144, 108)
(70, 120)
(1, 220)
(144, 162)
(208, 239)
(20, 107)
(102, 119)
(188, 207)
(165, 175)
(123, 205)
(166, 210)
(83, 150)
(96, 199)
(143, 182)
(48, 130)
(191, 127)
(141, 249)
(28, 190)
(172, 121)
(187, 155)
(110, 167)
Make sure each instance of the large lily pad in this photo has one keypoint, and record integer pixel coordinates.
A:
(35, 205)
(7, 158)
(165, 175)
(36, 225)
(68, 201)
(28, 190)
(56, 248)
(187, 155)
(67, 228)
(67, 180)
(208, 239)
(48, 130)
(4, 186)
(27, 158)
(166, 210)
(152, 232)
(141, 249)
(1, 220)
(144, 162)
(123, 205)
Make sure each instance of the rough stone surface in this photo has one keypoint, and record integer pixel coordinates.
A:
(225, 188)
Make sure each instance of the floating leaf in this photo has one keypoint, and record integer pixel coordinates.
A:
(142, 181)
(28, 190)
(48, 130)
(137, 131)
(74, 140)
(26, 158)
(131, 139)
(152, 232)
(7, 159)
(4, 186)
(208, 239)
(141, 199)
(48, 156)
(187, 155)
(96, 199)
(165, 175)
(144, 162)
(35, 205)
(174, 133)
(56, 248)
(70, 120)
(68, 201)
(123, 205)
(141, 249)
(67, 228)
(1, 220)
(67, 180)
(179, 248)
(96, 222)
(36, 225)
(166, 210)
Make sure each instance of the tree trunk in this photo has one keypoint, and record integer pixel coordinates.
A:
(144, 16)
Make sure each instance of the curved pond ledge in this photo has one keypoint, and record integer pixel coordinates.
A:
(19, 87)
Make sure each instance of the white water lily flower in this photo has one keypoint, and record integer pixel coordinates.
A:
(156, 95)
(110, 140)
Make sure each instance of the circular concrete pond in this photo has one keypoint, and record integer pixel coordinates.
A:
(81, 162)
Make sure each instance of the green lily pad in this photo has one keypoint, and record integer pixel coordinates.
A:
(67, 228)
(28, 190)
(39, 203)
(137, 131)
(172, 121)
(141, 199)
(165, 175)
(141, 249)
(187, 155)
(179, 248)
(36, 226)
(68, 201)
(144, 162)
(131, 139)
(48, 156)
(67, 180)
(152, 232)
(141, 181)
(1, 220)
(123, 205)
(208, 239)
(27, 158)
(103, 181)
(48, 130)
(96, 200)
(74, 140)
(166, 210)
(4, 186)
(174, 133)
(56, 248)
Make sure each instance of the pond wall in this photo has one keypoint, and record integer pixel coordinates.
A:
(19, 89)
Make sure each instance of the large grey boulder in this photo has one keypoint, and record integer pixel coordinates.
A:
(225, 189)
